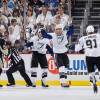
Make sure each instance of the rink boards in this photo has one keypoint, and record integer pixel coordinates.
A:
(77, 72)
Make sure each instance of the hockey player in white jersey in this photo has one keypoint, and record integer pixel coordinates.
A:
(60, 48)
(39, 57)
(91, 46)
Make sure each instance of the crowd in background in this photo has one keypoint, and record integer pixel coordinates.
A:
(19, 20)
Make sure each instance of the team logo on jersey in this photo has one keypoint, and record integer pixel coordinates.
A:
(40, 45)
(60, 39)
(52, 67)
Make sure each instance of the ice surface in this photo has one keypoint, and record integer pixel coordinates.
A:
(52, 93)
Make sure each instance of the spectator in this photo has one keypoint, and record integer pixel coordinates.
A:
(57, 19)
(21, 9)
(53, 6)
(14, 31)
(31, 13)
(3, 19)
(16, 4)
(5, 9)
(31, 8)
(63, 18)
(16, 15)
(37, 4)
(11, 4)
(31, 21)
(45, 18)
(2, 29)
(64, 4)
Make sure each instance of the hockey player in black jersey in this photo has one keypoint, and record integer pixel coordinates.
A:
(16, 64)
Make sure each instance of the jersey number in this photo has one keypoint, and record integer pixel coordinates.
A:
(91, 43)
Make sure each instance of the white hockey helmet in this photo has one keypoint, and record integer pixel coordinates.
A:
(90, 29)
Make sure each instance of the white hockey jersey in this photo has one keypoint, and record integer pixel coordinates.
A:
(39, 44)
(90, 44)
(59, 43)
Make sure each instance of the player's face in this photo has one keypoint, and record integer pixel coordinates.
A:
(39, 35)
(58, 31)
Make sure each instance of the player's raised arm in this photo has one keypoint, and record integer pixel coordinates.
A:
(45, 34)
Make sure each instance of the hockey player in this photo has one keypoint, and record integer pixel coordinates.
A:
(60, 48)
(39, 57)
(16, 64)
(91, 46)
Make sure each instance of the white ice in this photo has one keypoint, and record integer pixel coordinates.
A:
(52, 93)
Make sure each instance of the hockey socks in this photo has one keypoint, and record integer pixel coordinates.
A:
(34, 76)
(63, 77)
(93, 81)
(44, 77)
